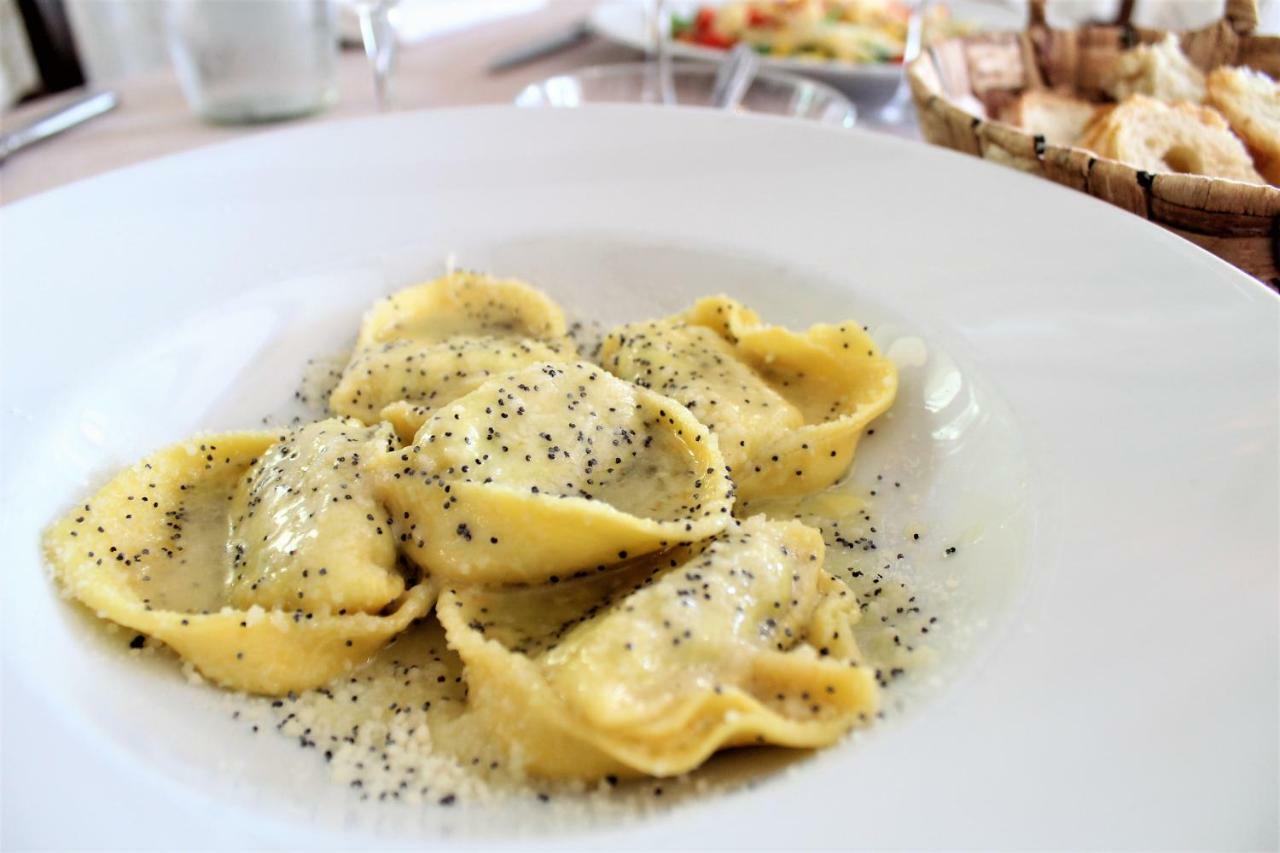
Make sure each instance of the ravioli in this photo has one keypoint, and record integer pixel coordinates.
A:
(427, 345)
(240, 552)
(788, 408)
(651, 668)
(604, 611)
(552, 470)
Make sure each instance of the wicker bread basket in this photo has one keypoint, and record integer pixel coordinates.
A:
(1238, 222)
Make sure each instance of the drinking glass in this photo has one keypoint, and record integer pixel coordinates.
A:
(688, 84)
(242, 61)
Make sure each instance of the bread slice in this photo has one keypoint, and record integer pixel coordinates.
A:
(1159, 138)
(1161, 71)
(1250, 101)
(1099, 134)
(1059, 118)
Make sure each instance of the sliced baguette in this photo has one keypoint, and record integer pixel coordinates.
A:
(1059, 118)
(1158, 138)
(1161, 71)
(1250, 101)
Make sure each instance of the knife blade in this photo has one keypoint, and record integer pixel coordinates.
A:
(53, 123)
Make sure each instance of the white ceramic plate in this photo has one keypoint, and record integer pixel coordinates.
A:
(1093, 422)
(623, 21)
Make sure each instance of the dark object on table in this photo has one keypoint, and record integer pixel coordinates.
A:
(53, 47)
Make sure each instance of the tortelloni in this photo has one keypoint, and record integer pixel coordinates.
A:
(788, 408)
(610, 613)
(652, 667)
(549, 471)
(262, 559)
(427, 345)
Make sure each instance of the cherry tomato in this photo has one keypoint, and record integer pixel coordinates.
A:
(711, 38)
(704, 30)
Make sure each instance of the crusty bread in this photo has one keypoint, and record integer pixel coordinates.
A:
(1161, 71)
(1059, 118)
(1250, 101)
(1159, 138)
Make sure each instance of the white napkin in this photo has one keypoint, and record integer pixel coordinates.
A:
(416, 20)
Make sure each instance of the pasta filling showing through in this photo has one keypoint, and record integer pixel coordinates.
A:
(244, 553)
(651, 668)
(788, 408)
(551, 471)
(427, 345)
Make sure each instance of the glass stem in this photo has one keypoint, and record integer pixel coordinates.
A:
(379, 46)
(896, 111)
(661, 49)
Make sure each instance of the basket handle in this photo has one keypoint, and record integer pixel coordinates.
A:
(1241, 15)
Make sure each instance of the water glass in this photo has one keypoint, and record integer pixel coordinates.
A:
(245, 61)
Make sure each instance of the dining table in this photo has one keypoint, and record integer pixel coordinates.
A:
(451, 69)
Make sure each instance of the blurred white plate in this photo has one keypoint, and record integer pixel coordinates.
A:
(623, 21)
(1090, 412)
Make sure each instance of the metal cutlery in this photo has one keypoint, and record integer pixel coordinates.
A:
(53, 123)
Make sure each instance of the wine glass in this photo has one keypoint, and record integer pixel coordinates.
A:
(658, 50)
(379, 38)
(898, 112)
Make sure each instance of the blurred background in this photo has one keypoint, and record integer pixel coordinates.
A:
(176, 74)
